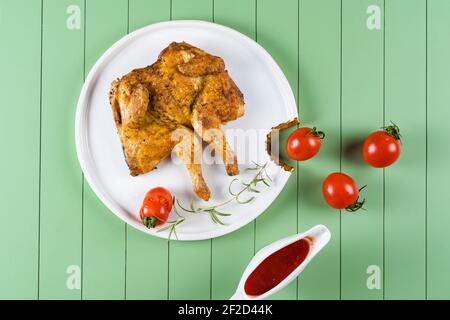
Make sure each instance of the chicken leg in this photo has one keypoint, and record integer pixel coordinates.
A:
(189, 150)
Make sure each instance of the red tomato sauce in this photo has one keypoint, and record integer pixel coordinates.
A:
(276, 267)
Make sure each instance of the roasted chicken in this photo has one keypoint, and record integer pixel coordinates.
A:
(157, 109)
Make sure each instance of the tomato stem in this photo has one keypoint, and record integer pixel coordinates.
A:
(318, 134)
(149, 222)
(393, 130)
(358, 204)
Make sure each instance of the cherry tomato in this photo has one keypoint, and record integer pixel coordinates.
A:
(156, 207)
(160, 194)
(341, 192)
(153, 214)
(382, 148)
(304, 143)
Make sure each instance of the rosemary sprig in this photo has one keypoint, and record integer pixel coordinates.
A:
(172, 225)
(261, 176)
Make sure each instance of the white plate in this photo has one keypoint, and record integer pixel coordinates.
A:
(269, 101)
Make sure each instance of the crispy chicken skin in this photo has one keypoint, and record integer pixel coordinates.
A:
(186, 88)
(145, 137)
(148, 137)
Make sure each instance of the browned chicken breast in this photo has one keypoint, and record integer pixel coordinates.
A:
(185, 89)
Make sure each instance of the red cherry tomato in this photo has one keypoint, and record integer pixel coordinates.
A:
(341, 192)
(156, 207)
(382, 148)
(304, 143)
(153, 214)
(162, 195)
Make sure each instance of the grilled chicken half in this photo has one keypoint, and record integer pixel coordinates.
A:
(186, 89)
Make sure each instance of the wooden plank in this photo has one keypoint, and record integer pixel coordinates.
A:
(190, 270)
(239, 244)
(230, 256)
(438, 171)
(362, 112)
(190, 262)
(61, 183)
(145, 12)
(20, 63)
(319, 68)
(242, 20)
(277, 32)
(192, 10)
(405, 105)
(104, 235)
(147, 257)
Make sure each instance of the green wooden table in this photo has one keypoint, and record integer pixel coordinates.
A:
(350, 72)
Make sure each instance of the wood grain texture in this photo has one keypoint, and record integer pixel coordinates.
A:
(362, 112)
(348, 80)
(438, 111)
(190, 262)
(104, 235)
(405, 89)
(20, 62)
(192, 10)
(319, 95)
(238, 246)
(277, 32)
(147, 257)
(61, 179)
